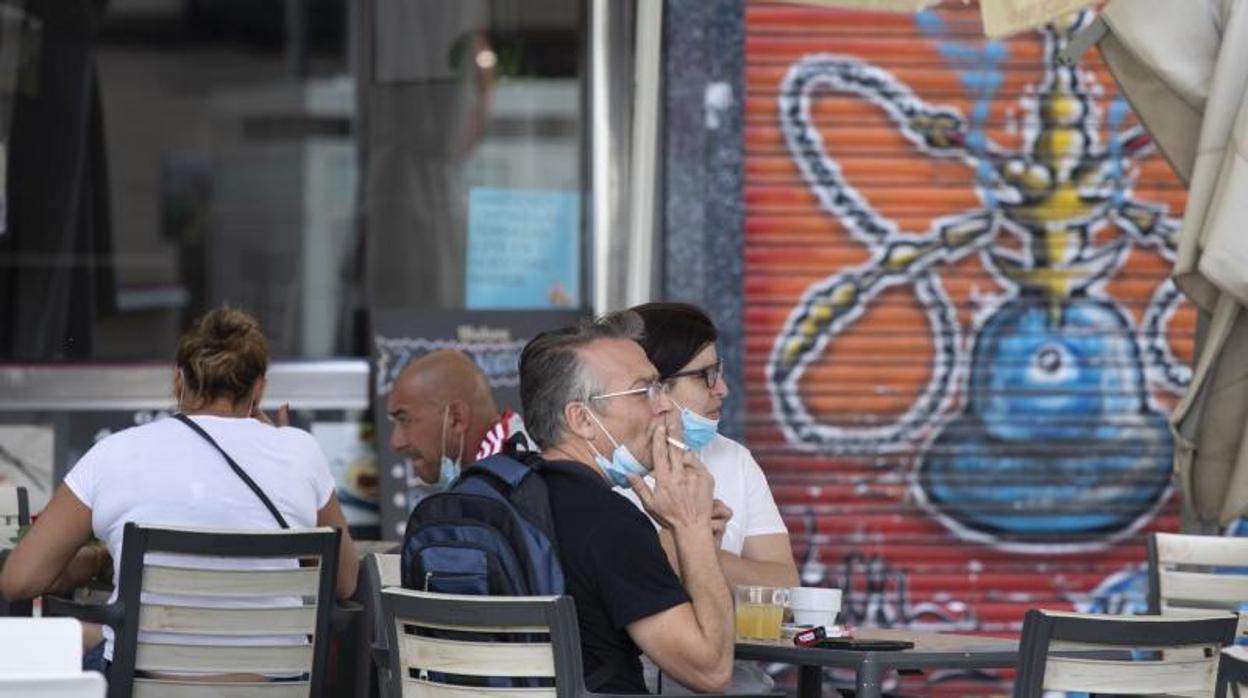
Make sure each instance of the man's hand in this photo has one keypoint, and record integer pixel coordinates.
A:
(682, 486)
(721, 514)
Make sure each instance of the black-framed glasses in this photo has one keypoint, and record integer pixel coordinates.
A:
(711, 374)
(653, 391)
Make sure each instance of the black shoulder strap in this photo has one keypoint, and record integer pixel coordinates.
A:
(237, 470)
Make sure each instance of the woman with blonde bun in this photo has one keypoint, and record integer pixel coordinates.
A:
(166, 473)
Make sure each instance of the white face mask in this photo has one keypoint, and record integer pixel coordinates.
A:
(699, 430)
(622, 463)
(449, 469)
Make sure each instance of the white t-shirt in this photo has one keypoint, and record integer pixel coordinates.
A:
(740, 484)
(164, 474)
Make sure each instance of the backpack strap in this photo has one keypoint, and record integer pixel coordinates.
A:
(264, 499)
(505, 468)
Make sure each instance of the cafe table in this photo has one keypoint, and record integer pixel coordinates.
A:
(931, 651)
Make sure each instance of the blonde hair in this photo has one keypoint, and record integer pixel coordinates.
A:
(224, 354)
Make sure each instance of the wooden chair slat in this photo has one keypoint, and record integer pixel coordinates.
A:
(478, 658)
(231, 583)
(227, 621)
(1182, 549)
(1139, 678)
(224, 659)
(1203, 587)
(156, 688)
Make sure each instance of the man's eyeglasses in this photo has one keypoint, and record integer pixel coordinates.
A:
(711, 374)
(653, 391)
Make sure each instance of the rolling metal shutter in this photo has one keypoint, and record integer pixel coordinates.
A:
(961, 344)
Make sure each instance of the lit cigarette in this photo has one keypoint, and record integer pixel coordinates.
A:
(678, 443)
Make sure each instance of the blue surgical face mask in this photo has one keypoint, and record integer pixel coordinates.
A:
(449, 469)
(622, 464)
(699, 430)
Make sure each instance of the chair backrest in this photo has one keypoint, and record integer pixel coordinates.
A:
(532, 638)
(85, 684)
(1195, 575)
(1145, 655)
(14, 513)
(278, 606)
(381, 570)
(43, 646)
(1233, 672)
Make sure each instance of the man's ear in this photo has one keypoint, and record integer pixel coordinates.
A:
(576, 417)
(459, 414)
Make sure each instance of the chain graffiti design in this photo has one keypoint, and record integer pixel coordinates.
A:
(1051, 195)
(1039, 348)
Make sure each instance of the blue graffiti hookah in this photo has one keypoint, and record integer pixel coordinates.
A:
(1056, 442)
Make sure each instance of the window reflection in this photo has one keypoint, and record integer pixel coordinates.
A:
(164, 156)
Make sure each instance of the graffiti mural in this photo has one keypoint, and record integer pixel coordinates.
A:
(1055, 379)
(961, 338)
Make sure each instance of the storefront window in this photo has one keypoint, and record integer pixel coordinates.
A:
(307, 161)
(315, 162)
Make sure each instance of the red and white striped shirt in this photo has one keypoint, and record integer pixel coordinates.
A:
(507, 426)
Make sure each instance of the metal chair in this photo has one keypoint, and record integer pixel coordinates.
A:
(1233, 671)
(381, 570)
(1197, 575)
(1145, 655)
(14, 514)
(553, 658)
(143, 668)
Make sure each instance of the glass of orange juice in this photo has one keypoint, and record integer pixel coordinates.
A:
(760, 611)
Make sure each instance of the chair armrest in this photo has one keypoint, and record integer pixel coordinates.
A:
(104, 614)
(342, 614)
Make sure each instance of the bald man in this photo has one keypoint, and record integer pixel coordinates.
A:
(445, 417)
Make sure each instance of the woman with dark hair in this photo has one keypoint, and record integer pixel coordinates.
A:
(680, 342)
(165, 473)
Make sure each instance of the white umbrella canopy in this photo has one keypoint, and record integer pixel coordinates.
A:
(1001, 17)
(1182, 66)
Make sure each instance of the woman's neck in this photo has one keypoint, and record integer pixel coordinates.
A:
(221, 407)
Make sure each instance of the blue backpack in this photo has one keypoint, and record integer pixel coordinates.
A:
(490, 533)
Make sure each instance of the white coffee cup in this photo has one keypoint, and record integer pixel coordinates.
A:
(814, 605)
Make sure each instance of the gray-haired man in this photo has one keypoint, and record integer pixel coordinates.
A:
(594, 404)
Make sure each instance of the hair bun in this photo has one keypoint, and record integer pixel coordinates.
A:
(228, 326)
(223, 355)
